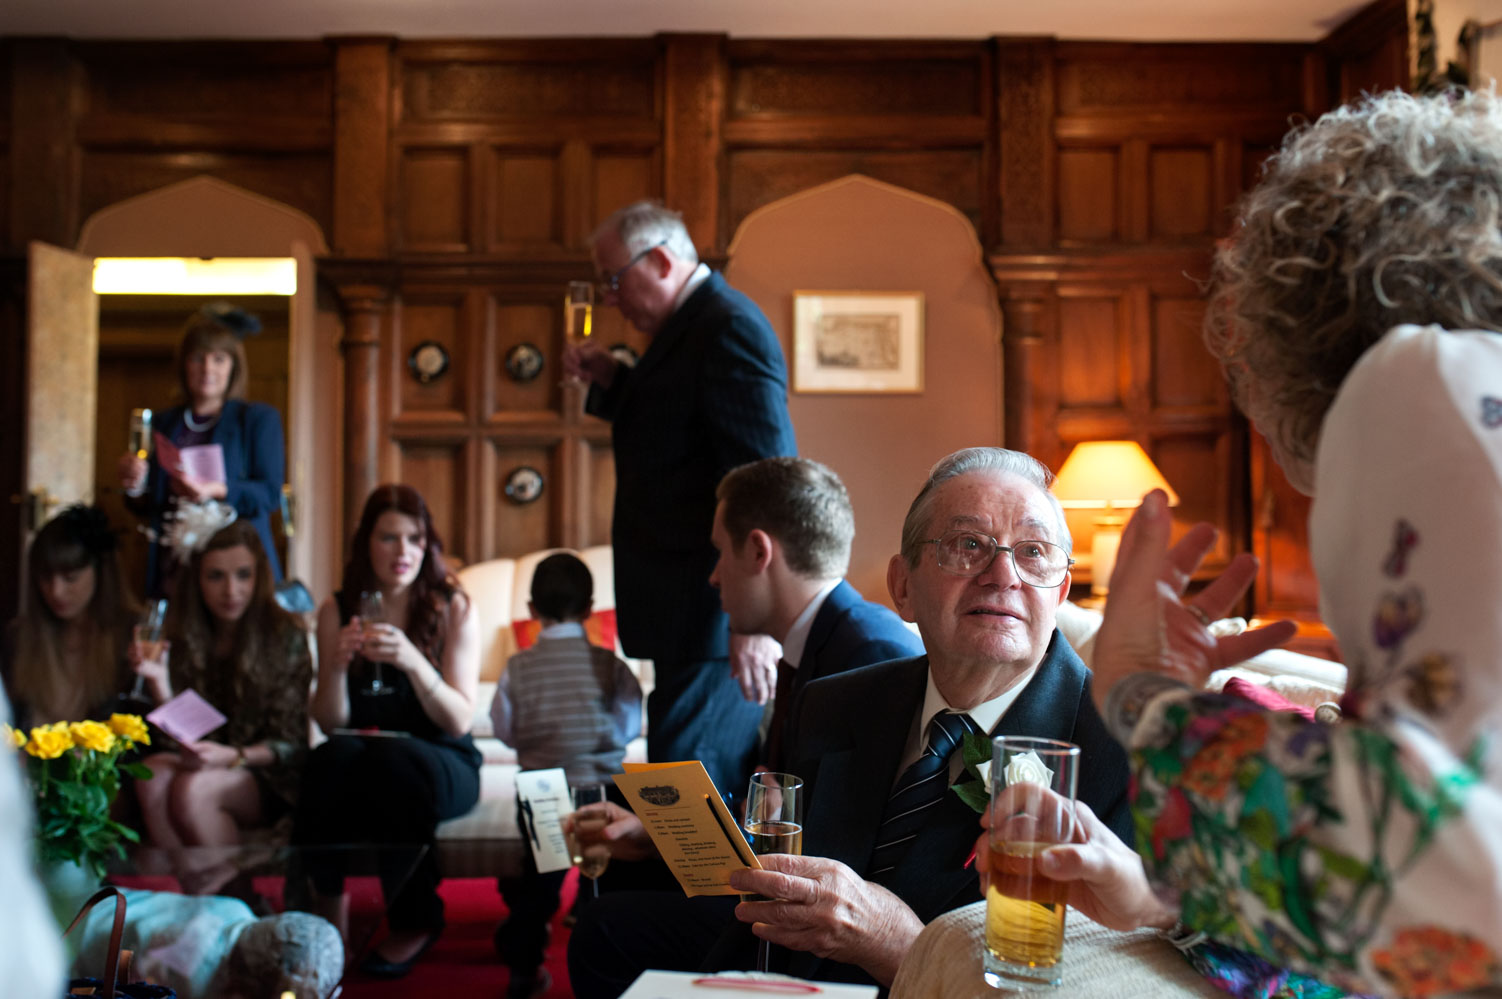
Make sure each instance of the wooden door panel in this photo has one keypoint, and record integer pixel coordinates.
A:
(521, 527)
(441, 319)
(1088, 180)
(1180, 187)
(436, 469)
(518, 325)
(526, 190)
(435, 204)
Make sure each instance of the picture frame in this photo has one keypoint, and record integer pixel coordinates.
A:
(858, 341)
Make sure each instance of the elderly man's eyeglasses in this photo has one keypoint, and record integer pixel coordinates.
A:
(970, 553)
(612, 282)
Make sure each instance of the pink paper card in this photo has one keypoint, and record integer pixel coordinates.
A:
(187, 717)
(167, 455)
(203, 462)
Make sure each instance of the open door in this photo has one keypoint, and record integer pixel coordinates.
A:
(62, 371)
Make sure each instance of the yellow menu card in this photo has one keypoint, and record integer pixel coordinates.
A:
(689, 824)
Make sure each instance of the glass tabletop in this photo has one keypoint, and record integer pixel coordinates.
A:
(266, 880)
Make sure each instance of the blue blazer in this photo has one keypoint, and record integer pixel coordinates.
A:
(852, 729)
(847, 632)
(709, 393)
(255, 463)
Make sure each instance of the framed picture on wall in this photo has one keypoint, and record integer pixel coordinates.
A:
(857, 341)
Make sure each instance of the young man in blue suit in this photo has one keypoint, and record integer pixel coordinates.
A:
(783, 528)
(709, 393)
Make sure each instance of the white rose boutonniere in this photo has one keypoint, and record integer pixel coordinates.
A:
(1027, 768)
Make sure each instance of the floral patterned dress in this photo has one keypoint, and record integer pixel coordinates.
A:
(1369, 852)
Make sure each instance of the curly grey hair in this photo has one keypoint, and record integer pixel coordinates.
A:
(645, 224)
(1382, 212)
(994, 460)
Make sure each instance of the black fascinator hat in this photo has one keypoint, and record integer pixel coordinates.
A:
(233, 318)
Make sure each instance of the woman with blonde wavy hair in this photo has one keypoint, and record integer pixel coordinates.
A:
(1356, 310)
(64, 655)
(231, 642)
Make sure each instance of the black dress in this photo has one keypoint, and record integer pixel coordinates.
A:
(380, 789)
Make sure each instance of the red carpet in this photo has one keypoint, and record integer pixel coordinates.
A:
(462, 963)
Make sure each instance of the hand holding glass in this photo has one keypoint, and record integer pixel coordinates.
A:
(150, 641)
(591, 861)
(1032, 803)
(373, 611)
(774, 824)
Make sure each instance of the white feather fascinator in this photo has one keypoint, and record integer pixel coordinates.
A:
(189, 527)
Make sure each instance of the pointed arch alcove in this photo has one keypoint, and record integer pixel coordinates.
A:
(860, 234)
(207, 217)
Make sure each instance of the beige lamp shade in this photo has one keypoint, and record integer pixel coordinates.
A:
(1107, 476)
(1101, 475)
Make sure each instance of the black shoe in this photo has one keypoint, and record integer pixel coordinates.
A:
(529, 986)
(377, 966)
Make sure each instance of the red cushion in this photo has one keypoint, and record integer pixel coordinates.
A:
(599, 628)
(1264, 697)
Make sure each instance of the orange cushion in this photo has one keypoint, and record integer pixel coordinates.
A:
(599, 628)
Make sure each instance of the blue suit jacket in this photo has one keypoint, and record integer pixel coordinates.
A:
(255, 461)
(847, 632)
(852, 729)
(710, 393)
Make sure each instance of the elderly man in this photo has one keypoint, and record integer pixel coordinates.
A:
(783, 528)
(983, 568)
(709, 393)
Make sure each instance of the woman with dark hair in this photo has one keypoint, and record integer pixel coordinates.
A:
(64, 656)
(232, 643)
(359, 788)
(212, 373)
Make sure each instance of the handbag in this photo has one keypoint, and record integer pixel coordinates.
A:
(116, 962)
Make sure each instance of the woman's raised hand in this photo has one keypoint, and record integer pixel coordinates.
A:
(351, 637)
(153, 671)
(386, 643)
(1148, 625)
(132, 470)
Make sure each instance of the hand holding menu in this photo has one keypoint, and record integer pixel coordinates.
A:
(689, 824)
(187, 717)
(202, 462)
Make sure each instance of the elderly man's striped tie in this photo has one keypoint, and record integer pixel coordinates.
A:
(916, 792)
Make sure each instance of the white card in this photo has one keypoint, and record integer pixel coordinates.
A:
(545, 801)
(738, 985)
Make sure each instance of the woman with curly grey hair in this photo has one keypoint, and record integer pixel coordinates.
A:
(1356, 311)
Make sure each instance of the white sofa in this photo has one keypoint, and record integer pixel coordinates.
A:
(485, 841)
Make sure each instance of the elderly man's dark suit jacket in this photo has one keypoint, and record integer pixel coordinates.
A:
(710, 393)
(852, 729)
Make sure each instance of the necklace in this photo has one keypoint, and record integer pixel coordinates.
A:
(198, 428)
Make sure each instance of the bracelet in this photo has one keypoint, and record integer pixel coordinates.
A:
(1182, 937)
(240, 760)
(1128, 699)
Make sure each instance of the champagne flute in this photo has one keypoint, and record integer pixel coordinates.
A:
(593, 863)
(148, 636)
(140, 433)
(373, 611)
(774, 824)
(578, 309)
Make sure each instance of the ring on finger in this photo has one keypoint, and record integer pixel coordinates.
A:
(1199, 614)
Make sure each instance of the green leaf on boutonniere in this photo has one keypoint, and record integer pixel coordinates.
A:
(976, 752)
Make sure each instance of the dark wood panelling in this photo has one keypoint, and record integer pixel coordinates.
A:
(1199, 466)
(525, 527)
(1119, 78)
(1088, 187)
(619, 177)
(801, 78)
(1369, 52)
(442, 319)
(208, 80)
(1093, 330)
(540, 325)
(1025, 112)
(757, 177)
(600, 495)
(544, 79)
(362, 147)
(1184, 375)
(693, 72)
(435, 200)
(44, 165)
(525, 189)
(1180, 182)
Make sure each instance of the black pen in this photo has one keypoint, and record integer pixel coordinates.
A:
(737, 841)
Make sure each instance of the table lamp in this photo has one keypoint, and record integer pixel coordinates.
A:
(1109, 476)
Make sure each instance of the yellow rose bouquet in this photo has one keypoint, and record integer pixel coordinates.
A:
(74, 770)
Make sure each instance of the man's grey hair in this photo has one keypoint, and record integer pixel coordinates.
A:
(990, 460)
(645, 224)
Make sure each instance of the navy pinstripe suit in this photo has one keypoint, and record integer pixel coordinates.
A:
(710, 393)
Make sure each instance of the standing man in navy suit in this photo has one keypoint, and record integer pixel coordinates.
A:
(709, 393)
(783, 528)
